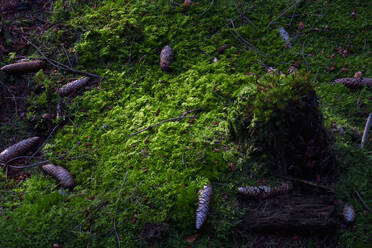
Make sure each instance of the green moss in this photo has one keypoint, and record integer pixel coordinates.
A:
(169, 163)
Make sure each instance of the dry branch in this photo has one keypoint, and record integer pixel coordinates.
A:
(72, 86)
(59, 65)
(18, 149)
(294, 5)
(205, 196)
(355, 82)
(64, 177)
(23, 67)
(316, 185)
(362, 201)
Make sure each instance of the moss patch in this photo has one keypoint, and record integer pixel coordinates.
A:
(169, 163)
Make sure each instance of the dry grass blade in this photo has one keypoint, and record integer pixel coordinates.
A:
(72, 86)
(166, 58)
(18, 149)
(204, 200)
(64, 177)
(265, 191)
(23, 67)
(355, 82)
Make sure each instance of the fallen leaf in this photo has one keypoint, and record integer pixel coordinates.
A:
(190, 239)
(300, 26)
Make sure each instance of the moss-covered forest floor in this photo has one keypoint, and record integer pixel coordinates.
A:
(141, 188)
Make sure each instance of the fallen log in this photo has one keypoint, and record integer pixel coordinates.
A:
(24, 67)
(297, 213)
(355, 82)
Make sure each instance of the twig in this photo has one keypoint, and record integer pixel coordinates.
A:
(294, 12)
(293, 5)
(250, 46)
(183, 116)
(362, 201)
(310, 183)
(229, 20)
(303, 56)
(366, 128)
(59, 65)
(59, 111)
(42, 145)
(183, 158)
(13, 97)
(98, 207)
(205, 11)
(29, 165)
(116, 211)
(68, 58)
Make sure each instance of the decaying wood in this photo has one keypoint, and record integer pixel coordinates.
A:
(365, 132)
(265, 191)
(24, 67)
(18, 149)
(204, 199)
(355, 82)
(166, 58)
(72, 86)
(284, 34)
(349, 213)
(297, 213)
(61, 174)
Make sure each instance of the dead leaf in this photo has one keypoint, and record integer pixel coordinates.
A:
(190, 239)
(300, 26)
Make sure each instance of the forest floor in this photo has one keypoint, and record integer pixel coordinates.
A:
(137, 177)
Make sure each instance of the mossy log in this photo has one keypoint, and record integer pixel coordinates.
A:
(18, 149)
(279, 116)
(166, 58)
(355, 82)
(296, 213)
(61, 174)
(23, 67)
(67, 89)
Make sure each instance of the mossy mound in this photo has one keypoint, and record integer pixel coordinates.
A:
(279, 116)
